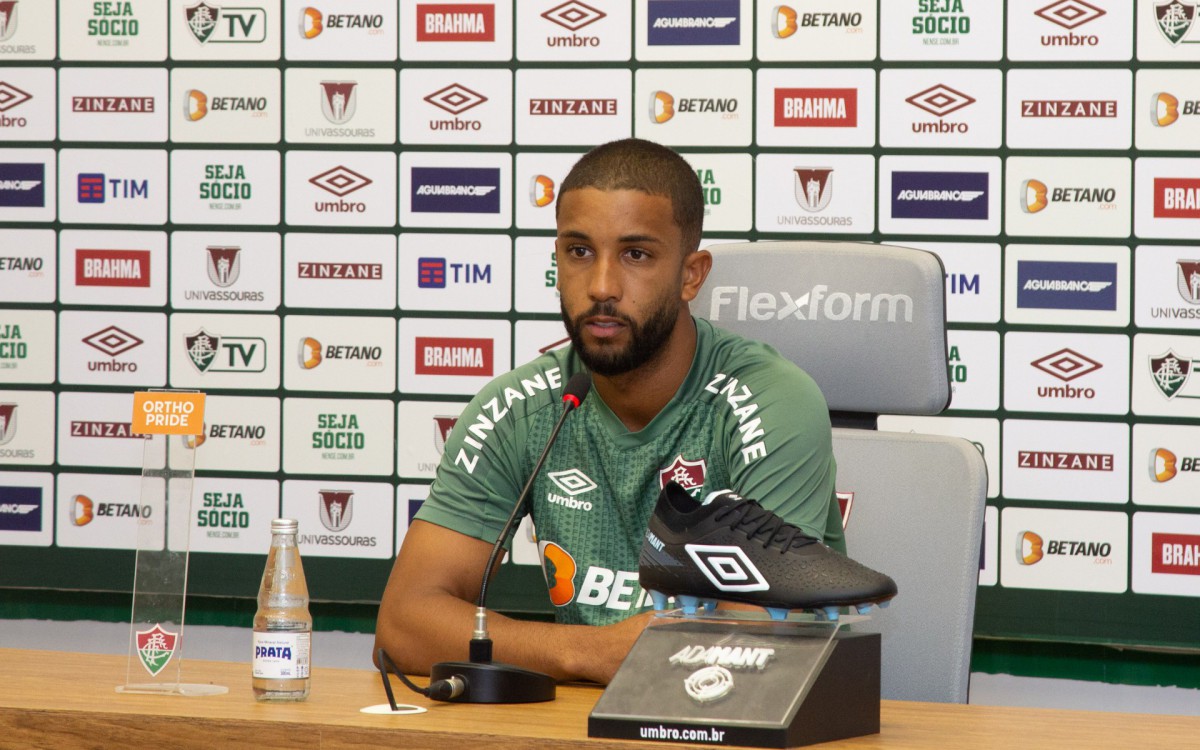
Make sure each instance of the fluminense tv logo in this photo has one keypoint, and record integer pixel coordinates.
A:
(209, 353)
(213, 24)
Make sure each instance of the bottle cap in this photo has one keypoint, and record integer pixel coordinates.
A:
(284, 526)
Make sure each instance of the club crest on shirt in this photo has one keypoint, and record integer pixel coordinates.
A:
(687, 474)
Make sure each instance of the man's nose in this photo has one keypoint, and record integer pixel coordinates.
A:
(605, 280)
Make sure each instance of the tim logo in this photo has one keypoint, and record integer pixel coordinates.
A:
(8, 19)
(687, 474)
(472, 190)
(437, 22)
(119, 268)
(727, 567)
(339, 99)
(672, 23)
(224, 264)
(431, 273)
(939, 195)
(816, 108)
(8, 423)
(453, 356)
(336, 509)
(22, 185)
(211, 24)
(813, 187)
(95, 187)
(20, 508)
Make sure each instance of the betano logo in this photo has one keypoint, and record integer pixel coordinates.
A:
(783, 22)
(313, 22)
(816, 304)
(82, 510)
(1036, 196)
(558, 567)
(1029, 548)
(541, 191)
(662, 106)
(1033, 196)
(1164, 109)
(195, 105)
(1163, 465)
(310, 353)
(1033, 548)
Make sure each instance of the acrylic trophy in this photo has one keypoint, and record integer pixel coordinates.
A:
(738, 678)
(167, 420)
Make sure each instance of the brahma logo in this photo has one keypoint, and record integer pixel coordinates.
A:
(1170, 373)
(688, 474)
(693, 22)
(1063, 285)
(22, 185)
(1175, 554)
(313, 22)
(1065, 460)
(456, 23)
(453, 356)
(224, 264)
(20, 509)
(813, 187)
(336, 509)
(558, 568)
(1176, 198)
(816, 108)
(339, 100)
(8, 19)
(113, 104)
(1163, 465)
(212, 24)
(940, 195)
(473, 190)
(783, 22)
(1174, 20)
(727, 567)
(120, 268)
(541, 191)
(1029, 548)
(1069, 14)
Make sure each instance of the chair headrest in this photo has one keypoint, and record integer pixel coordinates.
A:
(867, 322)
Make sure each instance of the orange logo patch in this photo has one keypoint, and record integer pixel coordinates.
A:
(559, 568)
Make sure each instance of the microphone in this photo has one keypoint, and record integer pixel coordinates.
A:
(481, 680)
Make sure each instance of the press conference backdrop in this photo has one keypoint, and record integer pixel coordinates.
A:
(336, 218)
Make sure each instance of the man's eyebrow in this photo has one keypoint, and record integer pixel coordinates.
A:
(574, 234)
(638, 238)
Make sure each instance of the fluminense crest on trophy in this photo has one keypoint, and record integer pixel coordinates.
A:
(224, 264)
(1175, 19)
(155, 648)
(1170, 373)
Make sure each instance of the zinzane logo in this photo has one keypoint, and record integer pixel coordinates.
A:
(727, 567)
(816, 304)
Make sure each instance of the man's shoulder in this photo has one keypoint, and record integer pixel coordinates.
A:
(731, 352)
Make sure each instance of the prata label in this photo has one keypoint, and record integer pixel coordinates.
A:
(281, 656)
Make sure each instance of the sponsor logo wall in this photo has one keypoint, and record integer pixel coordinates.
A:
(337, 219)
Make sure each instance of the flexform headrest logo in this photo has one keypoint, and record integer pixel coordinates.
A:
(813, 187)
(672, 23)
(816, 108)
(474, 22)
(119, 268)
(783, 21)
(195, 105)
(1066, 285)
(311, 24)
(662, 106)
(1187, 279)
(541, 191)
(1164, 109)
(223, 263)
(1029, 548)
(8, 423)
(11, 96)
(816, 303)
(339, 100)
(474, 190)
(573, 15)
(1175, 554)
(1163, 465)
(940, 195)
(441, 355)
(22, 185)
(310, 353)
(8, 19)
(1176, 198)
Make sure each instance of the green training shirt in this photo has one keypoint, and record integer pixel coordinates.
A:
(745, 419)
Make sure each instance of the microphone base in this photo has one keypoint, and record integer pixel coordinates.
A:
(491, 682)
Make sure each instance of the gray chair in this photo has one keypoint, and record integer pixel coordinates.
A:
(868, 323)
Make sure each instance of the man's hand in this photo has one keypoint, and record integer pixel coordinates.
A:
(428, 608)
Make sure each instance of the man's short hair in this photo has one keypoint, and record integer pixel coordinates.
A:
(635, 164)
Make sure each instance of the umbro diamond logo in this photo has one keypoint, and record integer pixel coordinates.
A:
(456, 99)
(727, 567)
(340, 181)
(573, 16)
(572, 481)
(940, 100)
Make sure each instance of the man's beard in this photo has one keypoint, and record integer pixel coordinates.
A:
(646, 340)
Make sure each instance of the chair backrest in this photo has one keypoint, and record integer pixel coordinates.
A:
(867, 322)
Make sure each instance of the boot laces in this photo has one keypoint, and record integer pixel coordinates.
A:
(761, 525)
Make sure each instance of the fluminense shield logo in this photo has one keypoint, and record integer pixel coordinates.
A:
(202, 349)
(224, 264)
(155, 648)
(1174, 19)
(201, 20)
(11, 96)
(1066, 365)
(572, 481)
(1069, 14)
(442, 425)
(8, 19)
(8, 423)
(573, 16)
(336, 509)
(813, 187)
(339, 100)
(456, 99)
(940, 100)
(687, 474)
(727, 567)
(340, 181)
(1164, 109)
(783, 22)
(1170, 373)
(1187, 276)
(113, 341)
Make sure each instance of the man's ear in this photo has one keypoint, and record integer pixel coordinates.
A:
(695, 270)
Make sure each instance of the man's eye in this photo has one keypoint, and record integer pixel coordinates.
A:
(577, 251)
(636, 253)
